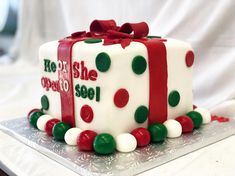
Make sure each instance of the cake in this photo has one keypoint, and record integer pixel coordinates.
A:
(116, 88)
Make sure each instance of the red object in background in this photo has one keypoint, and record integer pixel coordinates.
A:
(85, 140)
(49, 126)
(194, 107)
(219, 118)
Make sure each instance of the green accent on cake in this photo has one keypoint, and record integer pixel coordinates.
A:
(153, 36)
(83, 91)
(90, 93)
(174, 98)
(34, 118)
(59, 130)
(158, 132)
(141, 114)
(104, 144)
(45, 102)
(139, 65)
(102, 62)
(97, 97)
(92, 40)
(196, 118)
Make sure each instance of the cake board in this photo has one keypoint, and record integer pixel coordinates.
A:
(140, 160)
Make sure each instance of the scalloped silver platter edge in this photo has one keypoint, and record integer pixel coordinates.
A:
(140, 160)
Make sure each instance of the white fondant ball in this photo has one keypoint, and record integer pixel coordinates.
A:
(174, 129)
(71, 135)
(206, 115)
(126, 142)
(42, 121)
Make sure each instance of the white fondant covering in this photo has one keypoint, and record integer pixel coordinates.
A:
(107, 117)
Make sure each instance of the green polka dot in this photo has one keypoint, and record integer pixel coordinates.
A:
(153, 36)
(139, 65)
(174, 98)
(196, 118)
(103, 62)
(141, 114)
(92, 40)
(45, 102)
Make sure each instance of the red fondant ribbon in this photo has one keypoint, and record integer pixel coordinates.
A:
(64, 54)
(158, 77)
(113, 34)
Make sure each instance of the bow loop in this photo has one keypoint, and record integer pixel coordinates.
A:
(139, 29)
(112, 34)
(102, 26)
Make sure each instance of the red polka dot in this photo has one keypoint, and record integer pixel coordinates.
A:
(121, 98)
(189, 59)
(86, 113)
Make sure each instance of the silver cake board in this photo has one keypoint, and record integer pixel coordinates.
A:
(140, 160)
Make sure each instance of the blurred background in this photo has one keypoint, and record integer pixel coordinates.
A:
(8, 24)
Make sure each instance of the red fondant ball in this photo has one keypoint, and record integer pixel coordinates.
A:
(186, 123)
(142, 136)
(33, 110)
(49, 126)
(85, 140)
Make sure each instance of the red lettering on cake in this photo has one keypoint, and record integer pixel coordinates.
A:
(92, 75)
(82, 72)
(48, 84)
(76, 72)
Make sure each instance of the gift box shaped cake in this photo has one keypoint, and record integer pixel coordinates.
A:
(115, 80)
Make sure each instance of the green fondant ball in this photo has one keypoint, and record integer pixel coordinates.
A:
(158, 132)
(196, 118)
(34, 118)
(104, 144)
(59, 130)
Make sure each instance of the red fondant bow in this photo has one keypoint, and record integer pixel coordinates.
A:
(112, 34)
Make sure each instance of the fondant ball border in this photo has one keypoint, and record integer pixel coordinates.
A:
(105, 144)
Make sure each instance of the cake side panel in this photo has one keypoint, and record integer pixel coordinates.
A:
(179, 79)
(49, 77)
(107, 117)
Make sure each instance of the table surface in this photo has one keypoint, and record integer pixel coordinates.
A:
(20, 91)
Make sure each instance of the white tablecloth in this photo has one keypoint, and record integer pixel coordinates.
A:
(20, 91)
